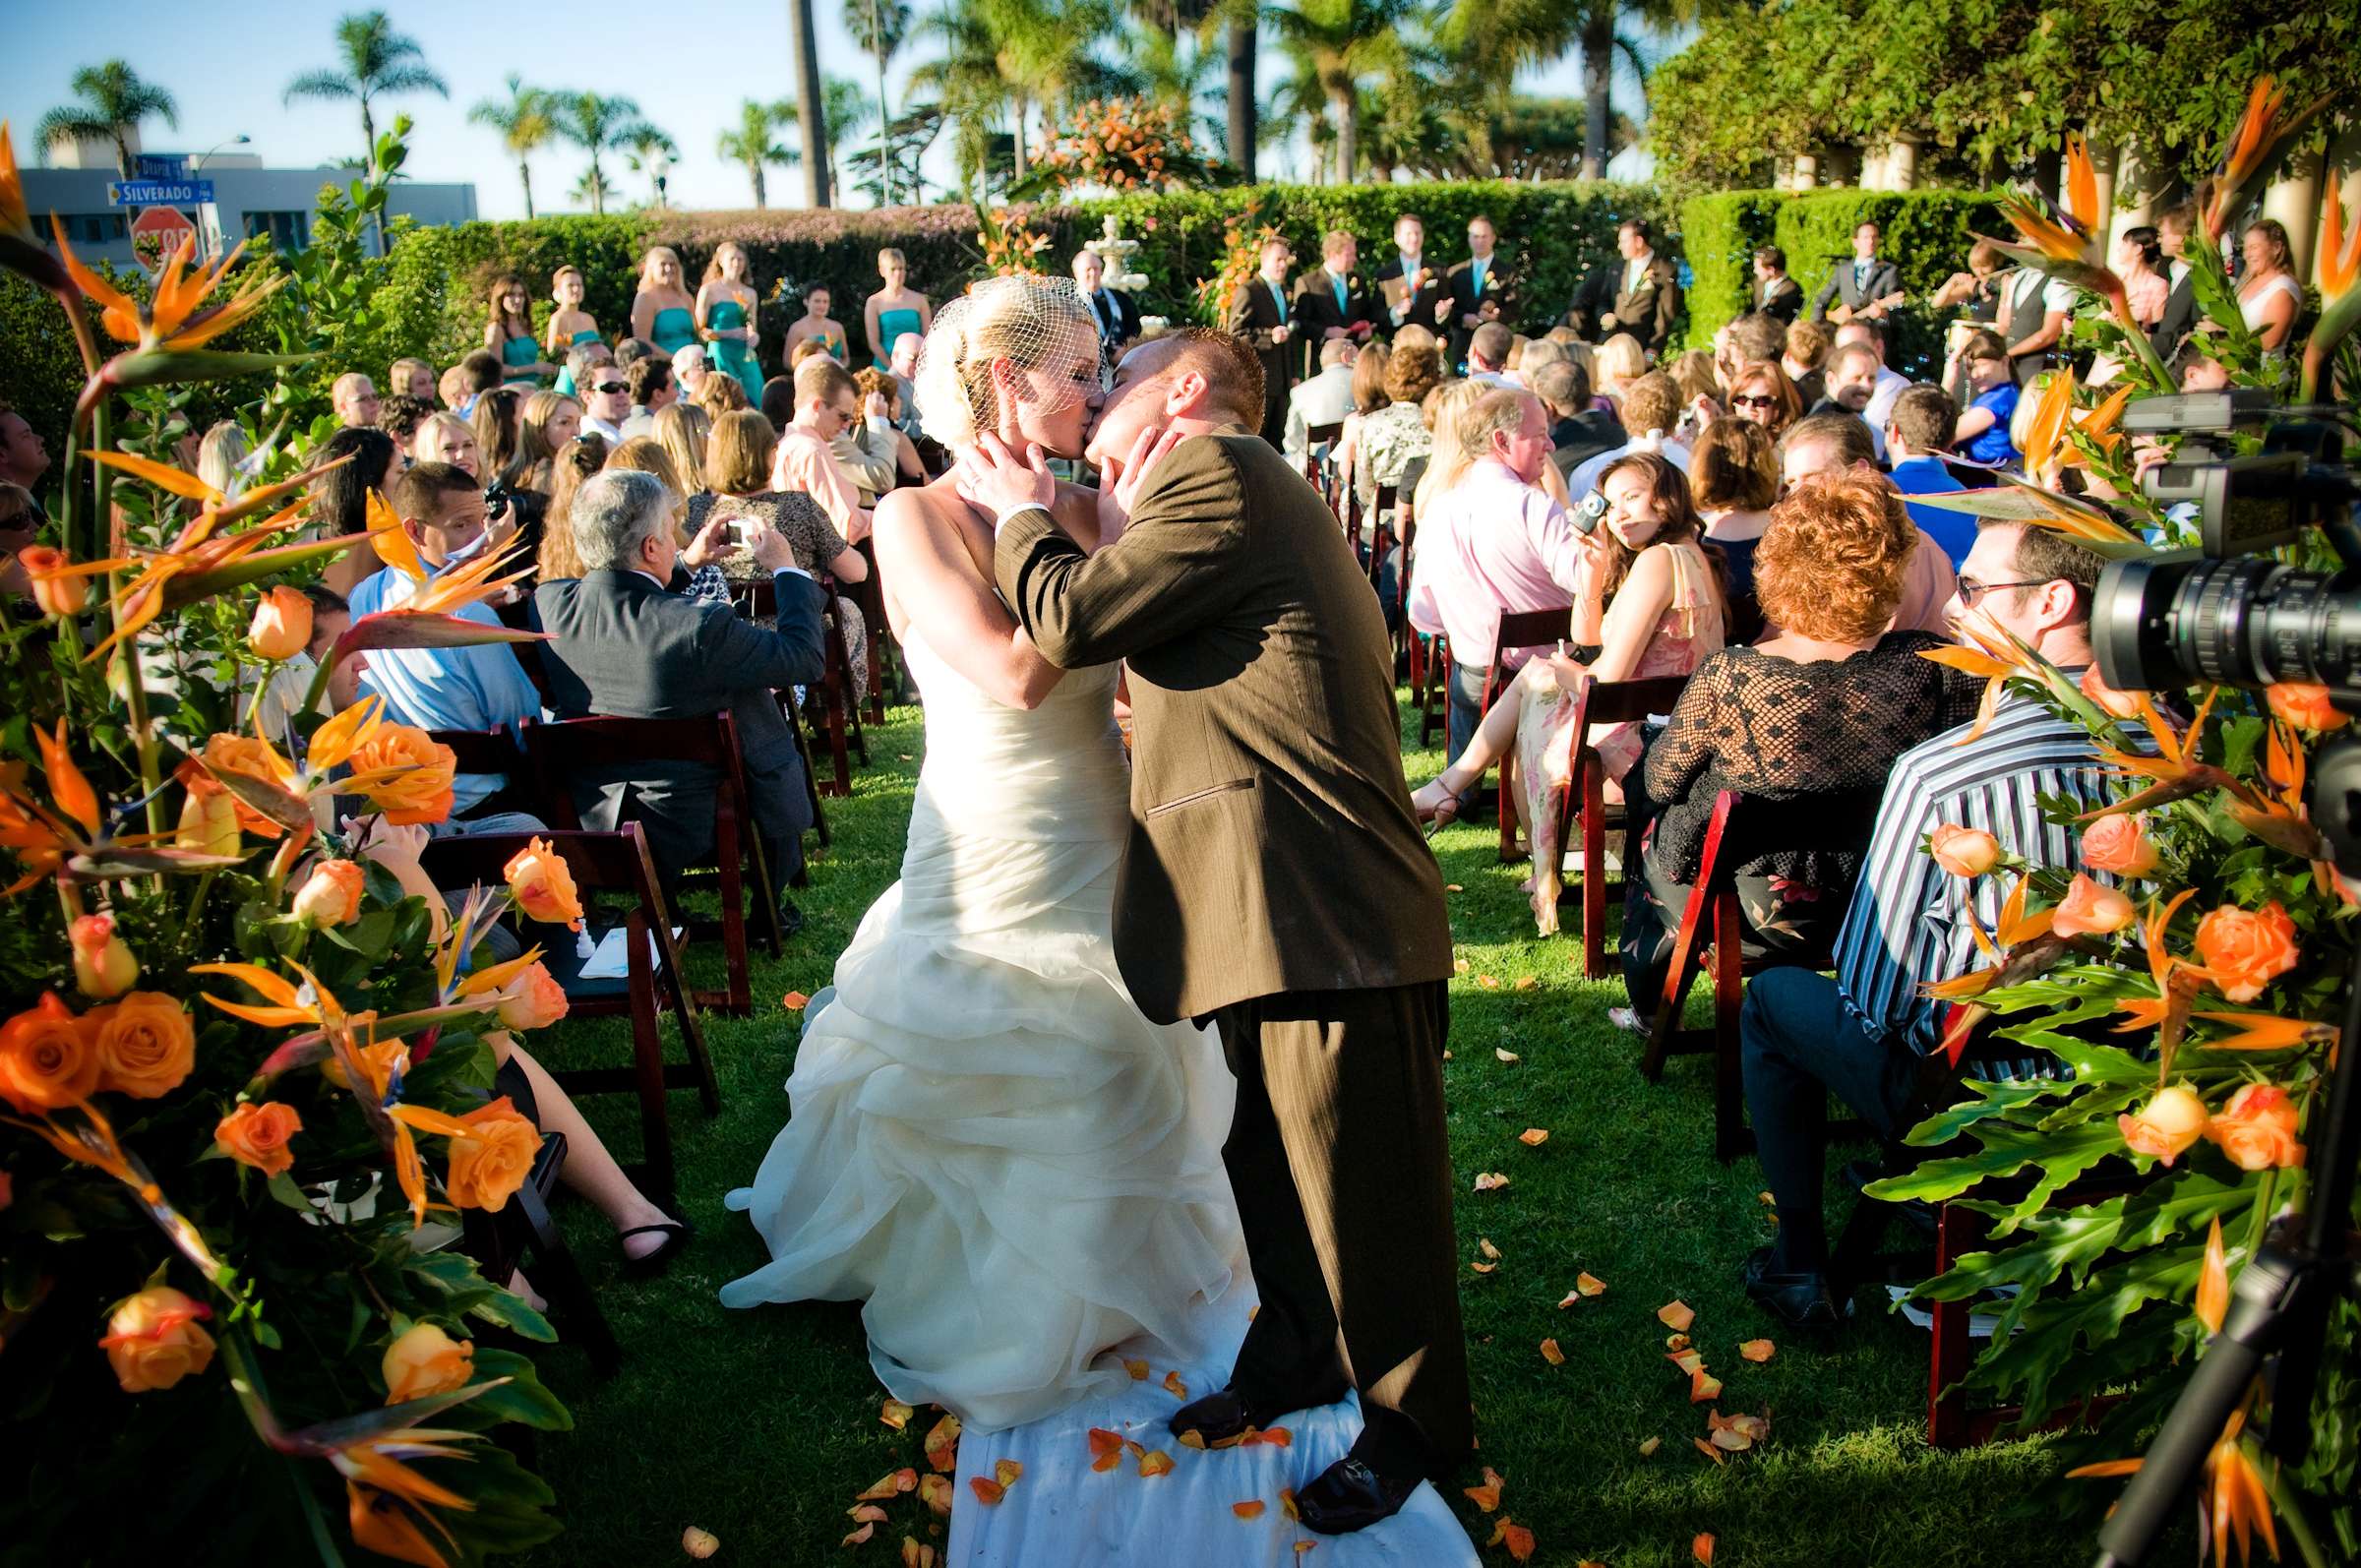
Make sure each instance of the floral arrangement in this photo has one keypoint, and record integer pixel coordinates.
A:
(1012, 245)
(244, 1055)
(1119, 145)
(2189, 971)
(1243, 239)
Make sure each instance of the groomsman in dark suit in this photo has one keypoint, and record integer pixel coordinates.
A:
(1640, 296)
(1484, 288)
(1111, 309)
(1409, 288)
(1776, 294)
(1866, 286)
(1259, 316)
(1332, 302)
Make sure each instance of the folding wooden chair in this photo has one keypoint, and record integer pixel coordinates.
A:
(1604, 702)
(1519, 628)
(562, 751)
(523, 1235)
(496, 751)
(832, 694)
(618, 863)
(1317, 471)
(869, 594)
(1714, 917)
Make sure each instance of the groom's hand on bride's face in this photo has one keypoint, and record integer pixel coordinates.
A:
(995, 479)
(1124, 481)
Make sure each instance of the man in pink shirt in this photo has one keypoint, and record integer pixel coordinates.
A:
(827, 403)
(1830, 442)
(1493, 542)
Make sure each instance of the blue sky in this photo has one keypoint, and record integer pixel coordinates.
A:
(227, 65)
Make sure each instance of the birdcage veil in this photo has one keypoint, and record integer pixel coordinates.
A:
(1020, 319)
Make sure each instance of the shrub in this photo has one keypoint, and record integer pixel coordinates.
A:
(1718, 234)
(1926, 233)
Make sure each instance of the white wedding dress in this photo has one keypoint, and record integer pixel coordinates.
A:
(990, 1145)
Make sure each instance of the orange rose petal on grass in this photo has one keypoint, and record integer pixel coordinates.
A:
(895, 1413)
(795, 1001)
(1676, 1316)
(1534, 1137)
(942, 1444)
(1482, 1268)
(1648, 1445)
(1551, 1354)
(1249, 1510)
(1709, 1451)
(859, 1537)
(1677, 1343)
(1703, 1385)
(893, 1485)
(1757, 1350)
(1489, 1180)
(916, 1554)
(1689, 1360)
(866, 1514)
(1589, 1285)
(1702, 1548)
(1519, 1541)
(1505, 1054)
(988, 1491)
(1483, 1245)
(936, 1492)
(1487, 1495)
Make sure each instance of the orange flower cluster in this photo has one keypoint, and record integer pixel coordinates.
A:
(142, 1046)
(1125, 144)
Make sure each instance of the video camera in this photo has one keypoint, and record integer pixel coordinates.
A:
(2223, 613)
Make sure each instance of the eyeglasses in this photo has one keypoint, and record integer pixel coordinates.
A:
(1971, 590)
(1751, 401)
(848, 415)
(609, 386)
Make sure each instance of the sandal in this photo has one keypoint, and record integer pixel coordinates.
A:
(1438, 814)
(677, 1234)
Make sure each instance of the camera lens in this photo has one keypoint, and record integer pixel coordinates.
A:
(2163, 621)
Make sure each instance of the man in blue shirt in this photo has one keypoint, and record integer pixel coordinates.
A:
(1917, 434)
(476, 688)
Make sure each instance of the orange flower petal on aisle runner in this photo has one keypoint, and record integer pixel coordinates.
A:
(1757, 1350)
(1276, 1436)
(936, 1492)
(988, 1491)
(1489, 1180)
(1534, 1137)
(1702, 1548)
(1137, 1369)
(1286, 1502)
(893, 1485)
(1551, 1354)
(1648, 1445)
(795, 1001)
(942, 1444)
(1006, 1472)
(1135, 1450)
(1303, 1546)
(1104, 1442)
(1192, 1438)
(1487, 1495)
(859, 1537)
(895, 1413)
(1676, 1316)
(1155, 1462)
(1249, 1510)
(1173, 1386)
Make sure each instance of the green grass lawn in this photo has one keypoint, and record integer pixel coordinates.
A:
(761, 1425)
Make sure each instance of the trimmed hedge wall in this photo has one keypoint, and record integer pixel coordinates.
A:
(1720, 233)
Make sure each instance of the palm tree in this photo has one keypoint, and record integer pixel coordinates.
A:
(880, 28)
(754, 144)
(1169, 69)
(1043, 49)
(114, 100)
(846, 107)
(810, 111)
(526, 126)
(1499, 37)
(969, 91)
(1339, 43)
(377, 61)
(1243, 21)
(649, 151)
(597, 124)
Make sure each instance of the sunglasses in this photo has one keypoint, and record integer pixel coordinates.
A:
(1750, 401)
(609, 386)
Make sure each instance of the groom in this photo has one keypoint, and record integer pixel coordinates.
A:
(1276, 882)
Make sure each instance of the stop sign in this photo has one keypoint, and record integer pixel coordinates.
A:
(158, 232)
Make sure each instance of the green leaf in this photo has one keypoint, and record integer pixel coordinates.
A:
(523, 1398)
(2007, 1150)
(283, 1188)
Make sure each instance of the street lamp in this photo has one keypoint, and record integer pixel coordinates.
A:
(209, 213)
(240, 140)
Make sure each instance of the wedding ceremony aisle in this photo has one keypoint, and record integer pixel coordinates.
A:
(763, 1426)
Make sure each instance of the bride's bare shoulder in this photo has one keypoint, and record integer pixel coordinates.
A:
(932, 519)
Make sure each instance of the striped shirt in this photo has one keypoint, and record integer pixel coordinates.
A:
(1907, 924)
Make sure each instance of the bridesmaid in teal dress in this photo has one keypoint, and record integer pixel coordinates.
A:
(725, 315)
(509, 335)
(893, 310)
(662, 312)
(814, 324)
(568, 323)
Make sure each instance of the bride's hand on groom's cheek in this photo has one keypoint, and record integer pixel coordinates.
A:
(1121, 483)
(996, 480)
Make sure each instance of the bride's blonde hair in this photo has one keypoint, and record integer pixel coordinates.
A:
(1020, 319)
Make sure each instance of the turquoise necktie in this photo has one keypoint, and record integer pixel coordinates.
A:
(1341, 306)
(1279, 301)
(1481, 265)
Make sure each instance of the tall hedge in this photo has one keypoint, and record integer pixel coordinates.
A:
(1718, 234)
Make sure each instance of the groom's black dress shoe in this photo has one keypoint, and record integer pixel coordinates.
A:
(1800, 1299)
(1223, 1416)
(1348, 1495)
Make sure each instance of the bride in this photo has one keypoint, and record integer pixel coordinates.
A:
(990, 1146)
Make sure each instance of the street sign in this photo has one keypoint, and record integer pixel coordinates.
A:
(158, 193)
(160, 166)
(158, 231)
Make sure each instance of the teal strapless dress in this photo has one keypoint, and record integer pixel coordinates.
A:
(564, 385)
(515, 354)
(891, 324)
(674, 329)
(731, 356)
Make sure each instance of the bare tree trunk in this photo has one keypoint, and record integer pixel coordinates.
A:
(525, 170)
(1348, 136)
(760, 189)
(1598, 77)
(885, 116)
(1243, 129)
(1024, 112)
(810, 113)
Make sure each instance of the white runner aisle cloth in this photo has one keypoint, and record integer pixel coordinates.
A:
(1060, 1514)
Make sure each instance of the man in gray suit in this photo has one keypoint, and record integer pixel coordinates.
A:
(1867, 285)
(628, 644)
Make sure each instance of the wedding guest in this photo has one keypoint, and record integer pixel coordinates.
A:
(682, 430)
(508, 333)
(1534, 355)
(632, 350)
(1837, 444)
(451, 388)
(2139, 259)
(1426, 477)
(1917, 434)
(689, 372)
(399, 417)
(1866, 286)
(1492, 542)
(1323, 400)
(827, 405)
(411, 377)
(1651, 419)
(2032, 320)
(735, 489)
(2268, 296)
(24, 456)
(1486, 354)
(1774, 293)
(897, 309)
(663, 312)
(1615, 365)
(1804, 355)
(445, 438)
(608, 404)
(1578, 430)
(627, 644)
(1851, 381)
(1702, 389)
(1410, 290)
(879, 392)
(479, 687)
(219, 456)
(1641, 297)
(647, 455)
(1330, 301)
(1259, 318)
(498, 426)
(1111, 309)
(1869, 1034)
(1888, 386)
(577, 463)
(1975, 292)
(814, 325)
(1734, 478)
(584, 361)
(20, 520)
(1368, 397)
(905, 368)
(479, 371)
(720, 395)
(570, 325)
(650, 384)
(1762, 392)
(341, 499)
(353, 397)
(2179, 313)
(1391, 436)
(1803, 726)
(1482, 289)
(726, 312)
(1982, 434)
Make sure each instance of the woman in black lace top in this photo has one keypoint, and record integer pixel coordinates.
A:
(1803, 727)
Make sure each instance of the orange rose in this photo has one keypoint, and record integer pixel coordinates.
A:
(2174, 1120)
(533, 1000)
(1964, 851)
(2257, 1128)
(54, 592)
(494, 1159)
(152, 1339)
(421, 790)
(2307, 707)
(145, 1044)
(239, 753)
(330, 896)
(2243, 952)
(45, 1059)
(104, 965)
(2113, 703)
(208, 817)
(2090, 910)
(2119, 845)
(544, 887)
(282, 624)
(258, 1134)
(425, 1362)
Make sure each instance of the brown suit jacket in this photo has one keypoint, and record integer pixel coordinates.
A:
(1272, 848)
